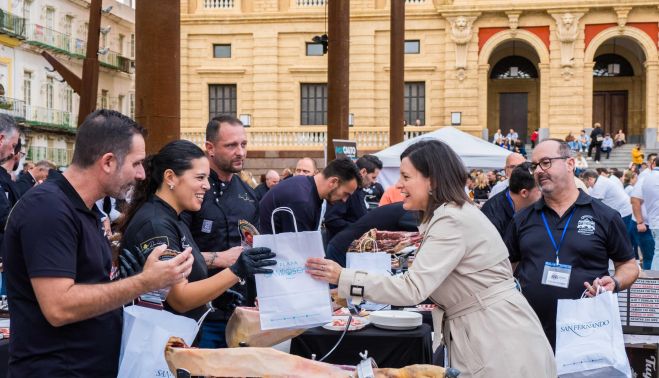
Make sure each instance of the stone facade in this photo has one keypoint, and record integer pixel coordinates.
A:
(460, 42)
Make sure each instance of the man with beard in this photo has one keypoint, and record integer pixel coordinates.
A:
(305, 195)
(9, 148)
(343, 214)
(562, 243)
(521, 193)
(66, 314)
(9, 142)
(215, 227)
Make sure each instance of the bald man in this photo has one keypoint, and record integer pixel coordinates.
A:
(512, 161)
(271, 179)
(305, 167)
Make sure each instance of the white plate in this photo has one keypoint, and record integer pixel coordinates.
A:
(364, 322)
(396, 319)
(394, 328)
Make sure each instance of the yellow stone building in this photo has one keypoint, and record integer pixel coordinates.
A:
(557, 66)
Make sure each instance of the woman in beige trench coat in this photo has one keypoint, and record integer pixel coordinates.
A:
(462, 266)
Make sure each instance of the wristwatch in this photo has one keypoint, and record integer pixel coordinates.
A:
(357, 288)
(616, 288)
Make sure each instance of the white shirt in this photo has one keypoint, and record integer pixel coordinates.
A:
(581, 163)
(498, 188)
(612, 195)
(617, 181)
(637, 192)
(650, 190)
(497, 136)
(607, 142)
(114, 213)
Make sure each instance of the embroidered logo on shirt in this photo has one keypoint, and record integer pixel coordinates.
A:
(586, 225)
(184, 242)
(207, 226)
(147, 246)
(245, 197)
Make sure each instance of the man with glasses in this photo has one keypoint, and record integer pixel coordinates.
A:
(512, 161)
(562, 244)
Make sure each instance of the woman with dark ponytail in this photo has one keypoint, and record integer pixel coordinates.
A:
(176, 179)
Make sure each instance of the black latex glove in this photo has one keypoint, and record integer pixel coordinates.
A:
(252, 261)
(228, 301)
(131, 262)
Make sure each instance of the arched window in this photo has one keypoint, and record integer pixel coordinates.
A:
(514, 67)
(612, 65)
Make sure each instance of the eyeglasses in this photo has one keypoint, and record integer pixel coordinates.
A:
(545, 163)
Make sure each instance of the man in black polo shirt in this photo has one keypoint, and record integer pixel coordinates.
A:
(215, 226)
(305, 194)
(562, 244)
(66, 317)
(342, 214)
(522, 191)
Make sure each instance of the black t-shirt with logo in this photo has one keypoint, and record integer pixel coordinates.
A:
(594, 235)
(215, 229)
(52, 233)
(156, 223)
(215, 226)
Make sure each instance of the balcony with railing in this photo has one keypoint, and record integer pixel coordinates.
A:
(114, 60)
(52, 119)
(58, 156)
(12, 25)
(311, 138)
(219, 4)
(50, 39)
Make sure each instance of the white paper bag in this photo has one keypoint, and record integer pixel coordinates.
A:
(144, 337)
(589, 340)
(372, 263)
(289, 297)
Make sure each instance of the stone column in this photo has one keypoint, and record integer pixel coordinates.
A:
(544, 95)
(652, 71)
(588, 95)
(483, 88)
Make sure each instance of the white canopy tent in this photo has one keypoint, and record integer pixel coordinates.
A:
(474, 152)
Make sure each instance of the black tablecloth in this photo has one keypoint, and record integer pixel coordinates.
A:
(390, 349)
(4, 357)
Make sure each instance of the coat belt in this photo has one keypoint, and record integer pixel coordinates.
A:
(476, 302)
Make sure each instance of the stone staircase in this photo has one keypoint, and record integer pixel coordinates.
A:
(620, 157)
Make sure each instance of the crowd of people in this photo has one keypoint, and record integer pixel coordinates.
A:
(119, 226)
(512, 141)
(598, 140)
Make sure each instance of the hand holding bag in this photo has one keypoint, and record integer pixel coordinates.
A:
(589, 340)
(289, 297)
(145, 335)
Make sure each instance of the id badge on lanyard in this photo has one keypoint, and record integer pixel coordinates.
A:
(555, 273)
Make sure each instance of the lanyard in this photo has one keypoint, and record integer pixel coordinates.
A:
(551, 237)
(510, 200)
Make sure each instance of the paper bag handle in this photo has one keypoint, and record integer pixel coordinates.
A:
(362, 243)
(286, 210)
